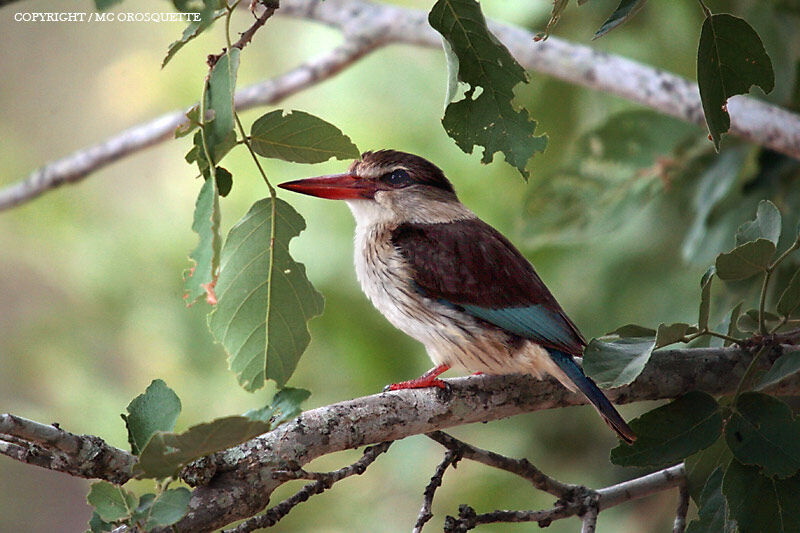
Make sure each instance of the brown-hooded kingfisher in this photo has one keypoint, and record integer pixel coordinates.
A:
(449, 280)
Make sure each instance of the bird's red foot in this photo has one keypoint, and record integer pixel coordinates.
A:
(428, 379)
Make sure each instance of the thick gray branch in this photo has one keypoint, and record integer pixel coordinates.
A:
(244, 480)
(51, 447)
(367, 26)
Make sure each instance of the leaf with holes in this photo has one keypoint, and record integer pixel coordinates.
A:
(672, 432)
(199, 280)
(299, 137)
(208, 15)
(264, 298)
(486, 115)
(730, 59)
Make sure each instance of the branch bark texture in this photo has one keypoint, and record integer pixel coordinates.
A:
(244, 476)
(367, 26)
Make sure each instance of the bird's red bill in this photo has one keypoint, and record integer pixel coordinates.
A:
(334, 187)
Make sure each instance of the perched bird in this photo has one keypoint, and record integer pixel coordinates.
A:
(449, 280)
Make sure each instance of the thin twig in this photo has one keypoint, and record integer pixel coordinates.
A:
(679, 525)
(451, 457)
(599, 500)
(323, 481)
(51, 447)
(520, 467)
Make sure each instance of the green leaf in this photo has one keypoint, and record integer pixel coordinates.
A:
(749, 321)
(199, 280)
(672, 333)
(224, 181)
(285, 406)
(705, 298)
(207, 17)
(555, 15)
(166, 453)
(672, 432)
(786, 365)
(170, 506)
(625, 10)
(789, 302)
(702, 464)
(219, 98)
(617, 362)
(300, 138)
(98, 525)
(155, 410)
(763, 432)
(759, 503)
(264, 297)
(767, 225)
(745, 260)
(486, 117)
(633, 330)
(730, 59)
(142, 512)
(111, 502)
(712, 510)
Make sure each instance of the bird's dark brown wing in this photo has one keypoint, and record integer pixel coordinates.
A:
(469, 264)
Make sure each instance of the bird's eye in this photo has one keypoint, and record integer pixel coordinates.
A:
(397, 178)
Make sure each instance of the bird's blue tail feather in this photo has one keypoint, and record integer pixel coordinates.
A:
(606, 409)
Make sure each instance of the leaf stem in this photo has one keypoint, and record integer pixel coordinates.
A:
(728, 338)
(705, 9)
(762, 326)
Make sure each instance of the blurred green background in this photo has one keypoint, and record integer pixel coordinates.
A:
(91, 274)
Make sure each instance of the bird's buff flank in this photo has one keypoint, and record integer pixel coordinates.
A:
(446, 278)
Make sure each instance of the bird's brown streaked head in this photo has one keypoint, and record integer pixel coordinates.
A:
(382, 170)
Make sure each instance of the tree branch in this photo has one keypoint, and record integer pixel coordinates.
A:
(450, 459)
(520, 467)
(679, 526)
(323, 481)
(237, 483)
(53, 448)
(587, 507)
(367, 26)
(399, 414)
